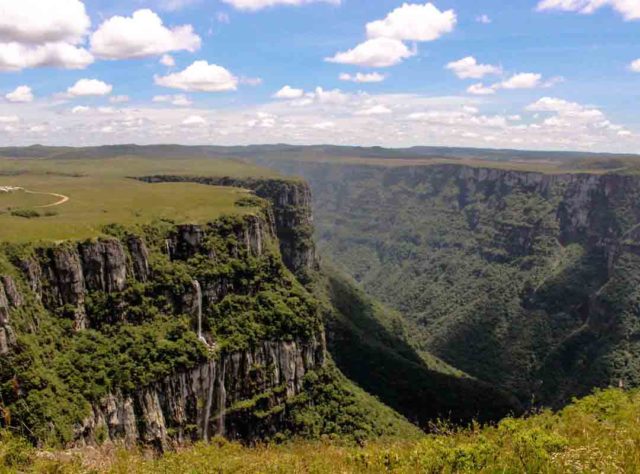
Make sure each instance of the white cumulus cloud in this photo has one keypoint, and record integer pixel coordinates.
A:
(141, 35)
(469, 68)
(17, 56)
(255, 5)
(327, 125)
(20, 94)
(86, 87)
(635, 65)
(288, 92)
(525, 80)
(629, 9)
(378, 52)
(363, 77)
(480, 89)
(565, 108)
(38, 21)
(414, 22)
(200, 77)
(35, 33)
(331, 97)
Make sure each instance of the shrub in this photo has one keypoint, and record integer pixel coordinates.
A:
(26, 213)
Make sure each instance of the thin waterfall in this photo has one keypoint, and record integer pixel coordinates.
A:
(167, 245)
(198, 288)
(207, 412)
(222, 397)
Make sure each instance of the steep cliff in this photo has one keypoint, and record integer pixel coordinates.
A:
(163, 333)
(291, 204)
(156, 334)
(241, 395)
(523, 279)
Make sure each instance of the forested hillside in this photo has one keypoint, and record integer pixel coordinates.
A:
(522, 279)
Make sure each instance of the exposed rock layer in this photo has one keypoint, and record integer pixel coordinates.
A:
(291, 204)
(203, 402)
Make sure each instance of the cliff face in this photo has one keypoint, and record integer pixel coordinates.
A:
(10, 299)
(292, 209)
(215, 398)
(62, 276)
(523, 279)
(159, 335)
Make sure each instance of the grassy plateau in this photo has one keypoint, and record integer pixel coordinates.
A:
(102, 192)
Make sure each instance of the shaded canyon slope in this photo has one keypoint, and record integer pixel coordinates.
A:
(525, 280)
(366, 340)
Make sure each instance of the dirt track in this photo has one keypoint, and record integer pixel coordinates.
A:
(61, 198)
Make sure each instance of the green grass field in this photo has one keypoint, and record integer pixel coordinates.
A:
(101, 192)
(21, 200)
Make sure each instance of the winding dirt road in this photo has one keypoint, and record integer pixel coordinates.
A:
(61, 198)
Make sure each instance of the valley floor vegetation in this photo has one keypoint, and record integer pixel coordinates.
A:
(597, 434)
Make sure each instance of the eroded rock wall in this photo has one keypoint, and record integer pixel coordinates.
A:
(206, 401)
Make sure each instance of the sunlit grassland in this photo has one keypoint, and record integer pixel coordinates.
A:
(101, 192)
(125, 166)
(21, 199)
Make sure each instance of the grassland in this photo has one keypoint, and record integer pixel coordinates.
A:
(538, 166)
(598, 434)
(21, 199)
(101, 192)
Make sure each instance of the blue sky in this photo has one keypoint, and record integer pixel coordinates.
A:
(550, 74)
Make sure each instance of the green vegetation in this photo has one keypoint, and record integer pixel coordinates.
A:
(95, 202)
(598, 434)
(492, 271)
(334, 408)
(26, 213)
(370, 344)
(494, 289)
(22, 200)
(101, 192)
(146, 332)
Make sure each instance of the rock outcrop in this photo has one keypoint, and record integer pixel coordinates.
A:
(139, 257)
(10, 298)
(208, 400)
(293, 218)
(64, 284)
(104, 265)
(62, 276)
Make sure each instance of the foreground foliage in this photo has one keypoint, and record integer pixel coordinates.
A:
(599, 433)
